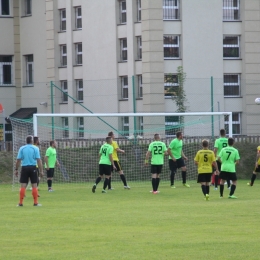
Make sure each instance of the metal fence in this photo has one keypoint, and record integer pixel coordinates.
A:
(81, 143)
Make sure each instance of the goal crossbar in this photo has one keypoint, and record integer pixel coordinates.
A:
(99, 115)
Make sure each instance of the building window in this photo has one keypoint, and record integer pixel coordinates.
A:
(125, 126)
(79, 89)
(65, 126)
(78, 17)
(27, 7)
(124, 87)
(64, 87)
(139, 11)
(232, 85)
(231, 10)
(171, 10)
(171, 125)
(171, 85)
(78, 53)
(63, 49)
(139, 86)
(123, 49)
(29, 69)
(80, 123)
(171, 45)
(231, 47)
(5, 70)
(236, 123)
(4, 7)
(63, 20)
(122, 11)
(139, 47)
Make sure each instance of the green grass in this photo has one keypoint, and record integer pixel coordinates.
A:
(177, 223)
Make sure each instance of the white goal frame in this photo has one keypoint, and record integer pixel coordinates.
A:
(35, 116)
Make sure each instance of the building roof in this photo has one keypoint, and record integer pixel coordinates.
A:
(24, 113)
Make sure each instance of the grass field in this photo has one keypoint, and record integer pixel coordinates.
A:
(177, 223)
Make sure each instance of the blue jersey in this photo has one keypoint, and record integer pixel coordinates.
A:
(29, 155)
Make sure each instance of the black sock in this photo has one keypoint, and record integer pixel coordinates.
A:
(172, 177)
(49, 183)
(221, 189)
(105, 183)
(228, 183)
(253, 179)
(232, 190)
(183, 174)
(122, 176)
(216, 181)
(109, 183)
(207, 189)
(203, 188)
(154, 184)
(98, 180)
(157, 183)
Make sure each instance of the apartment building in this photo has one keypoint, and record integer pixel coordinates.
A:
(92, 49)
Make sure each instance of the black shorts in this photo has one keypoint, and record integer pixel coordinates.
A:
(156, 169)
(38, 172)
(179, 163)
(204, 177)
(118, 167)
(228, 176)
(28, 172)
(219, 165)
(257, 169)
(104, 169)
(50, 173)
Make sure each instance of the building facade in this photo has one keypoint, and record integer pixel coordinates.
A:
(117, 56)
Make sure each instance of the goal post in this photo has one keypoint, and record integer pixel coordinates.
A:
(79, 137)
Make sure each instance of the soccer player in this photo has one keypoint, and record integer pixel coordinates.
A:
(116, 162)
(257, 167)
(157, 149)
(105, 163)
(229, 157)
(205, 158)
(28, 156)
(220, 143)
(50, 162)
(176, 157)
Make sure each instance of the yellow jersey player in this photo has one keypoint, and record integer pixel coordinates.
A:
(116, 150)
(205, 158)
(257, 167)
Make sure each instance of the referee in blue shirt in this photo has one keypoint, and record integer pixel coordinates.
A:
(28, 157)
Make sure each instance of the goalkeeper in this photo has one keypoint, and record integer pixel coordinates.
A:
(257, 167)
(116, 162)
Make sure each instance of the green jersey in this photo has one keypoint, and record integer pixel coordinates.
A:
(157, 149)
(52, 156)
(220, 143)
(105, 150)
(176, 148)
(229, 155)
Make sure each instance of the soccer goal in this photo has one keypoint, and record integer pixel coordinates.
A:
(80, 136)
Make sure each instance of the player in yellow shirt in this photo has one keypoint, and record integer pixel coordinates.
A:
(205, 158)
(116, 162)
(257, 167)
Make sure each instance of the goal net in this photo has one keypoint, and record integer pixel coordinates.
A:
(80, 136)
